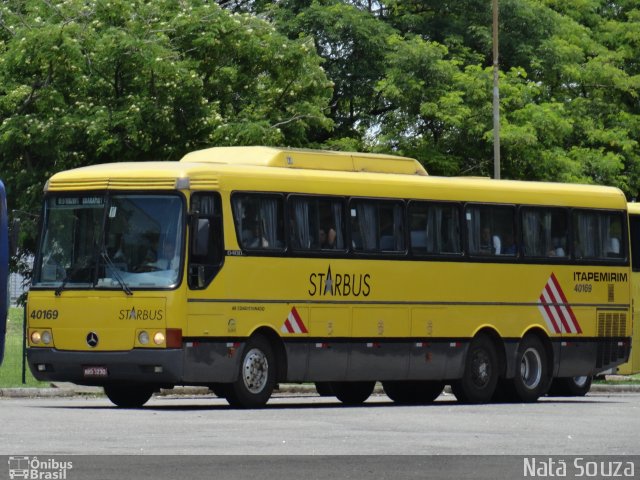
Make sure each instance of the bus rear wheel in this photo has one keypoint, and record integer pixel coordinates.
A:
(532, 378)
(128, 396)
(352, 393)
(257, 376)
(571, 386)
(413, 392)
(324, 389)
(480, 375)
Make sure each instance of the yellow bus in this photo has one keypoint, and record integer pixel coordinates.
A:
(239, 268)
(633, 365)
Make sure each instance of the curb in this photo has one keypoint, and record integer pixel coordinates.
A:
(67, 390)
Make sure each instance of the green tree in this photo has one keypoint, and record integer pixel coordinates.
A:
(84, 82)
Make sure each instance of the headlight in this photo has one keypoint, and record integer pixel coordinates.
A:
(143, 338)
(46, 337)
(158, 338)
(36, 337)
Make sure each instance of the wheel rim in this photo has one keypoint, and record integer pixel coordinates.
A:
(255, 370)
(580, 381)
(481, 369)
(531, 368)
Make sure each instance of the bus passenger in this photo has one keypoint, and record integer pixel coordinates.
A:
(258, 240)
(489, 244)
(327, 240)
(510, 247)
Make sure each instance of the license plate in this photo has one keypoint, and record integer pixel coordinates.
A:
(95, 371)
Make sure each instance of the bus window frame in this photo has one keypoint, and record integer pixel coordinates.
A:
(492, 258)
(599, 261)
(567, 259)
(379, 253)
(460, 256)
(216, 226)
(262, 252)
(317, 252)
(107, 194)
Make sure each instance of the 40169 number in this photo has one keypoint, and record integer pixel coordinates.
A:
(44, 314)
(583, 287)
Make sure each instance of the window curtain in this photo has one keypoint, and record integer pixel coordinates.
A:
(367, 225)
(301, 231)
(532, 234)
(398, 230)
(587, 241)
(337, 221)
(269, 220)
(432, 231)
(473, 229)
(453, 233)
(238, 215)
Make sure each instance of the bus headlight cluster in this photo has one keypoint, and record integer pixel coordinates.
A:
(144, 338)
(43, 337)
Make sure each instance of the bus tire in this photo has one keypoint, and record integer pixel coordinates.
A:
(480, 376)
(128, 396)
(219, 389)
(532, 378)
(413, 392)
(257, 376)
(324, 389)
(571, 386)
(352, 393)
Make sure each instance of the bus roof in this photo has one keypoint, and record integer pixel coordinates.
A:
(307, 159)
(634, 208)
(200, 171)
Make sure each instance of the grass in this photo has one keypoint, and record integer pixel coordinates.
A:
(620, 380)
(11, 369)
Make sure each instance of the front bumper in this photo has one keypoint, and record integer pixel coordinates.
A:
(158, 367)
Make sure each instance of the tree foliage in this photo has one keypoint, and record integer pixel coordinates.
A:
(84, 82)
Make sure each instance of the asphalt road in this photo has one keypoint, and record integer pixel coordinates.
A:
(306, 437)
(598, 424)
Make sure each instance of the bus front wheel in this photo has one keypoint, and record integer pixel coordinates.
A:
(257, 376)
(480, 375)
(128, 396)
(532, 378)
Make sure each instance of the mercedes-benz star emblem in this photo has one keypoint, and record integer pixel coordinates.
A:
(92, 339)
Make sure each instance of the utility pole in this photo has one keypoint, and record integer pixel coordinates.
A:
(496, 96)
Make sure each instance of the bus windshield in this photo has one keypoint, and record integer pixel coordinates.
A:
(122, 241)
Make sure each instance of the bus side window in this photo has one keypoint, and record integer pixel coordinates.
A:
(598, 235)
(490, 230)
(434, 228)
(544, 232)
(259, 221)
(206, 246)
(316, 223)
(377, 226)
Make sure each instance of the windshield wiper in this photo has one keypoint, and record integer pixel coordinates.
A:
(114, 269)
(59, 290)
(68, 275)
